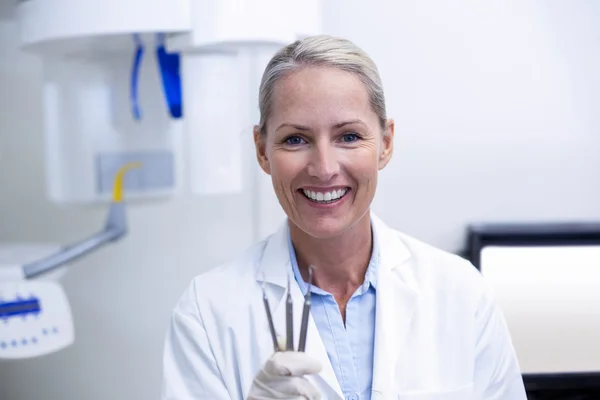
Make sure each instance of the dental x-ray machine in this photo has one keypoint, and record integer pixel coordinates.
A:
(35, 317)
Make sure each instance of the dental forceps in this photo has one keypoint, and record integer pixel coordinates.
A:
(289, 318)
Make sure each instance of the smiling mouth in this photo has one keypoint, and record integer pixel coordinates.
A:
(325, 197)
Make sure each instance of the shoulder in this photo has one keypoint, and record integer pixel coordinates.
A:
(440, 272)
(450, 282)
(445, 282)
(223, 287)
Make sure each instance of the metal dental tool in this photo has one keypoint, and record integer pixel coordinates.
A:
(289, 318)
(289, 315)
(270, 319)
(305, 313)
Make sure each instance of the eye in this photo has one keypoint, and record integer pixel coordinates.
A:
(350, 137)
(294, 140)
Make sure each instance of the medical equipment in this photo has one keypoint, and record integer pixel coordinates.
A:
(35, 317)
(289, 318)
(305, 313)
(171, 83)
(546, 279)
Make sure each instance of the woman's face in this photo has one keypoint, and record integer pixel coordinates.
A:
(323, 149)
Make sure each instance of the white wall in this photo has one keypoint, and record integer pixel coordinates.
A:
(496, 109)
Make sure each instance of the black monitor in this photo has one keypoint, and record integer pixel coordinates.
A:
(547, 281)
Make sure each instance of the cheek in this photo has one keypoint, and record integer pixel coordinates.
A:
(285, 166)
(363, 165)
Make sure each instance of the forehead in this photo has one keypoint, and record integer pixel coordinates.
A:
(318, 96)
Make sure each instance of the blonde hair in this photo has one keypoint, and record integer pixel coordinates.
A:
(326, 51)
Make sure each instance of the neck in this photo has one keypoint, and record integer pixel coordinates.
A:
(341, 262)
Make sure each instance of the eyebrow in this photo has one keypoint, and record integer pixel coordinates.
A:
(304, 128)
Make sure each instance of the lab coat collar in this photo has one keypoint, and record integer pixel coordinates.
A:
(395, 302)
(275, 264)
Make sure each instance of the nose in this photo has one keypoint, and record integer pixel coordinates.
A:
(323, 164)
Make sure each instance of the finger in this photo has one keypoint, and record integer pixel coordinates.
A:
(302, 388)
(288, 388)
(281, 342)
(292, 363)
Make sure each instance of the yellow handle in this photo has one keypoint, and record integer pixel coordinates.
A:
(118, 186)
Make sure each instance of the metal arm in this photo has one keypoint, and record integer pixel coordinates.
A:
(115, 228)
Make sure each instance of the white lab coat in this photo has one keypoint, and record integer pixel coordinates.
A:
(439, 333)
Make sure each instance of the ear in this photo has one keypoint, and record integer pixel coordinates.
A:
(387, 144)
(261, 154)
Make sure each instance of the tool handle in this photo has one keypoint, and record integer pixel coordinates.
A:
(304, 327)
(289, 322)
(271, 325)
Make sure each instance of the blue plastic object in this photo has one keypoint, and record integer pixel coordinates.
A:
(168, 65)
(20, 307)
(137, 61)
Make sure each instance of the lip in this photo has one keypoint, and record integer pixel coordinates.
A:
(325, 206)
(323, 189)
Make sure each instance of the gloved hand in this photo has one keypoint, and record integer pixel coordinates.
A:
(282, 377)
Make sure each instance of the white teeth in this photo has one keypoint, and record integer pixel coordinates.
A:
(326, 196)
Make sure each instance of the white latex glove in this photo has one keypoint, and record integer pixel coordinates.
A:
(282, 377)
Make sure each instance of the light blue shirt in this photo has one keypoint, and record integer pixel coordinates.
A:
(350, 348)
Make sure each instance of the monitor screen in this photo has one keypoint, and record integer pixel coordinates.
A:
(550, 296)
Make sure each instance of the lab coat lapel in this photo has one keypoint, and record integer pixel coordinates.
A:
(326, 379)
(274, 267)
(395, 306)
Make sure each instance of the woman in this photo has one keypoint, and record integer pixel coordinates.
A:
(392, 318)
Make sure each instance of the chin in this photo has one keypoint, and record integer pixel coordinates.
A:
(324, 227)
